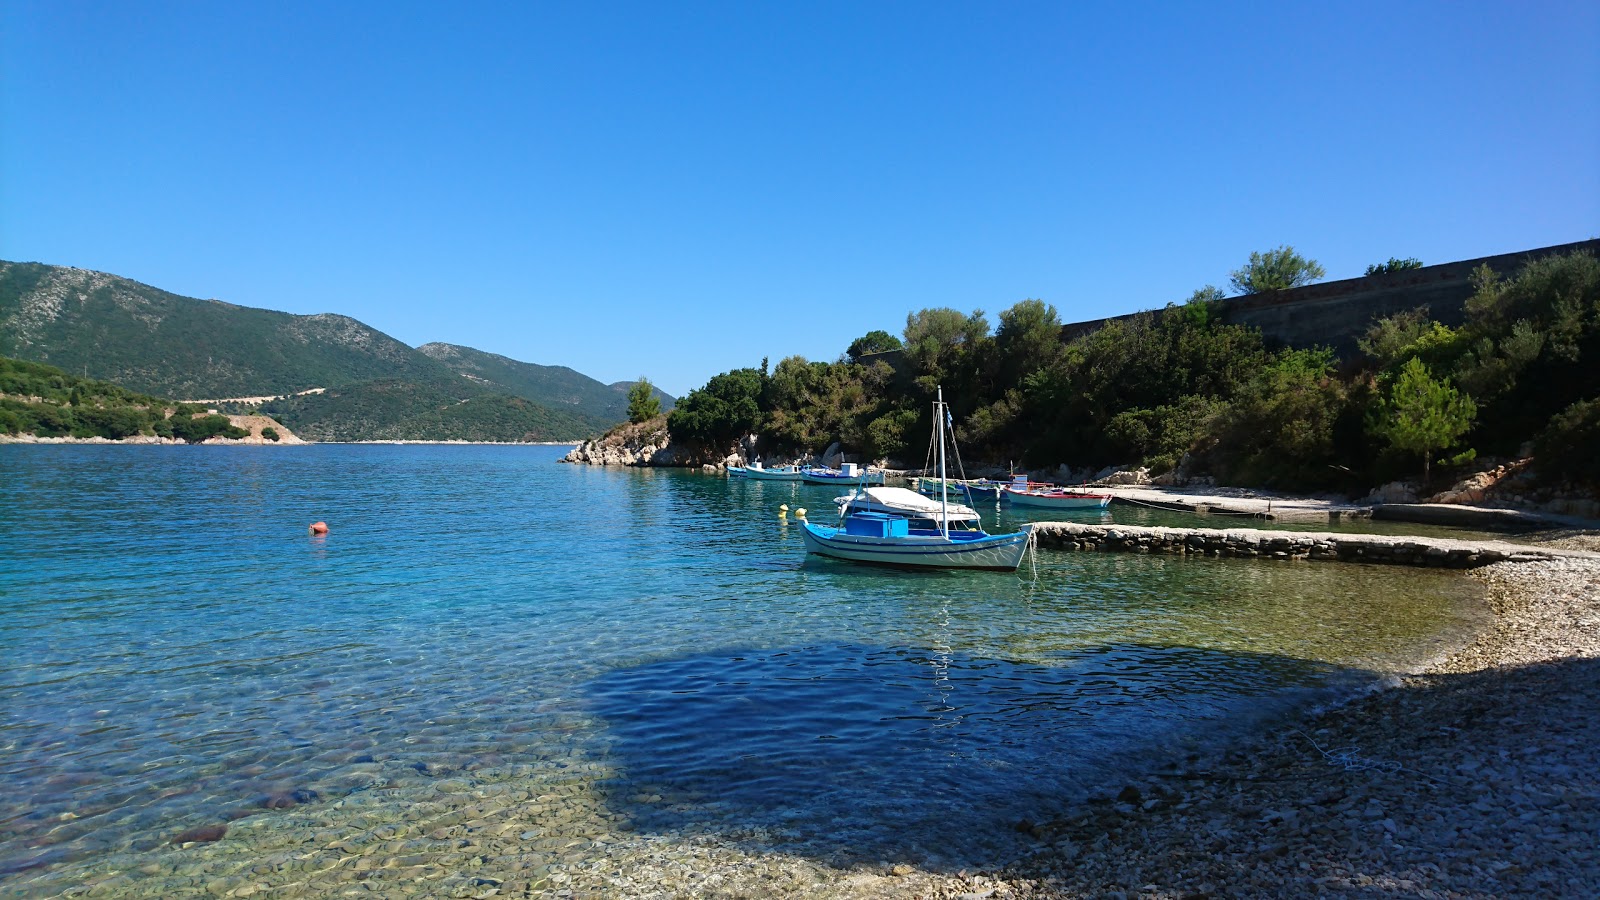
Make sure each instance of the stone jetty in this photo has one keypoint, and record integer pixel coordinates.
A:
(1445, 553)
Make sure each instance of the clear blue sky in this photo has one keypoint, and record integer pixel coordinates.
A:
(677, 189)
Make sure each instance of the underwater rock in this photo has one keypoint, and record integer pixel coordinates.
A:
(205, 834)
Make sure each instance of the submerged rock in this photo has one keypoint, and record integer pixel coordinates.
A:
(205, 834)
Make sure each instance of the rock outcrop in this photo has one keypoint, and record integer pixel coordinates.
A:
(634, 444)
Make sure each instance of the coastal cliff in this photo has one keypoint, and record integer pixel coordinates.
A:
(633, 444)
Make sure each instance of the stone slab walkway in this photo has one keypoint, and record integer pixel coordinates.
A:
(1255, 542)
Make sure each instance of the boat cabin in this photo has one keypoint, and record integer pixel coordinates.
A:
(874, 524)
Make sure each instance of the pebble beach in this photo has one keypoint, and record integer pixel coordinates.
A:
(1478, 777)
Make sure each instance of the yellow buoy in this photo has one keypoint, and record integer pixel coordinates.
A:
(800, 513)
(783, 510)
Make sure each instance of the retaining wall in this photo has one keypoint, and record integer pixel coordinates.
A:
(1336, 313)
(1444, 553)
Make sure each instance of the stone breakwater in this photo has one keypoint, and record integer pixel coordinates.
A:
(1257, 543)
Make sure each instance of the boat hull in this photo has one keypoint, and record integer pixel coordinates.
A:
(921, 550)
(929, 487)
(869, 478)
(1058, 501)
(772, 474)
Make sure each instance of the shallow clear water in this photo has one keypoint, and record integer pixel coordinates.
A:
(632, 652)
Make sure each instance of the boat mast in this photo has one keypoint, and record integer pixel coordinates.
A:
(944, 483)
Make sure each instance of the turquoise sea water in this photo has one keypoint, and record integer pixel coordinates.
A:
(634, 652)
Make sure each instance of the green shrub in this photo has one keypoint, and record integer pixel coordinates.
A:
(1569, 447)
(270, 433)
(198, 429)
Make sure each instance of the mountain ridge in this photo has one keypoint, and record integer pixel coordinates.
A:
(101, 325)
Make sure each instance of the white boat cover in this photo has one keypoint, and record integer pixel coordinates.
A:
(900, 501)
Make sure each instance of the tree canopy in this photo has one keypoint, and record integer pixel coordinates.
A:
(643, 404)
(1394, 265)
(1276, 270)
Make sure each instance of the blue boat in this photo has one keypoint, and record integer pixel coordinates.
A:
(880, 538)
(737, 471)
(849, 475)
(884, 538)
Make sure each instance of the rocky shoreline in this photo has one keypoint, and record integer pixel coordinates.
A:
(1478, 777)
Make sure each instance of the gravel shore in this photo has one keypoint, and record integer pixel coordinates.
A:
(1479, 777)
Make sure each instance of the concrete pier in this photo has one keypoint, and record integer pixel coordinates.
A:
(1445, 553)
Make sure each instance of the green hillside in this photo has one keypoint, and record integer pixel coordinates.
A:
(395, 409)
(96, 325)
(557, 387)
(44, 401)
(102, 326)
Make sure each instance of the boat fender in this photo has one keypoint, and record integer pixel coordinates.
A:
(319, 528)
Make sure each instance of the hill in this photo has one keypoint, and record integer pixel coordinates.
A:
(102, 326)
(41, 400)
(557, 387)
(93, 324)
(396, 409)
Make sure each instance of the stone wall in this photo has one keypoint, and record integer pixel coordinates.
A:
(1259, 543)
(1335, 313)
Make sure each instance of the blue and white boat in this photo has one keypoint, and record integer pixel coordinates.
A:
(737, 471)
(756, 472)
(885, 538)
(973, 490)
(848, 474)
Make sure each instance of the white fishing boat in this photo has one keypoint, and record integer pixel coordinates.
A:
(886, 537)
(847, 474)
(920, 511)
(1021, 492)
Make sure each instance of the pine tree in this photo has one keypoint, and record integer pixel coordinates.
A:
(1426, 415)
(642, 401)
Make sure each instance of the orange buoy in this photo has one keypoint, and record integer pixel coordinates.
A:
(319, 527)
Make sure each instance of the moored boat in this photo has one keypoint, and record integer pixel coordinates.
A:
(847, 474)
(887, 538)
(973, 490)
(1049, 496)
(777, 473)
(917, 509)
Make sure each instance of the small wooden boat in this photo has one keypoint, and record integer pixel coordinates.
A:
(919, 510)
(847, 475)
(886, 538)
(973, 490)
(776, 473)
(1052, 497)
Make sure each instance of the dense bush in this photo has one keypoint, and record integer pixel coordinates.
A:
(715, 416)
(1569, 447)
(197, 429)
